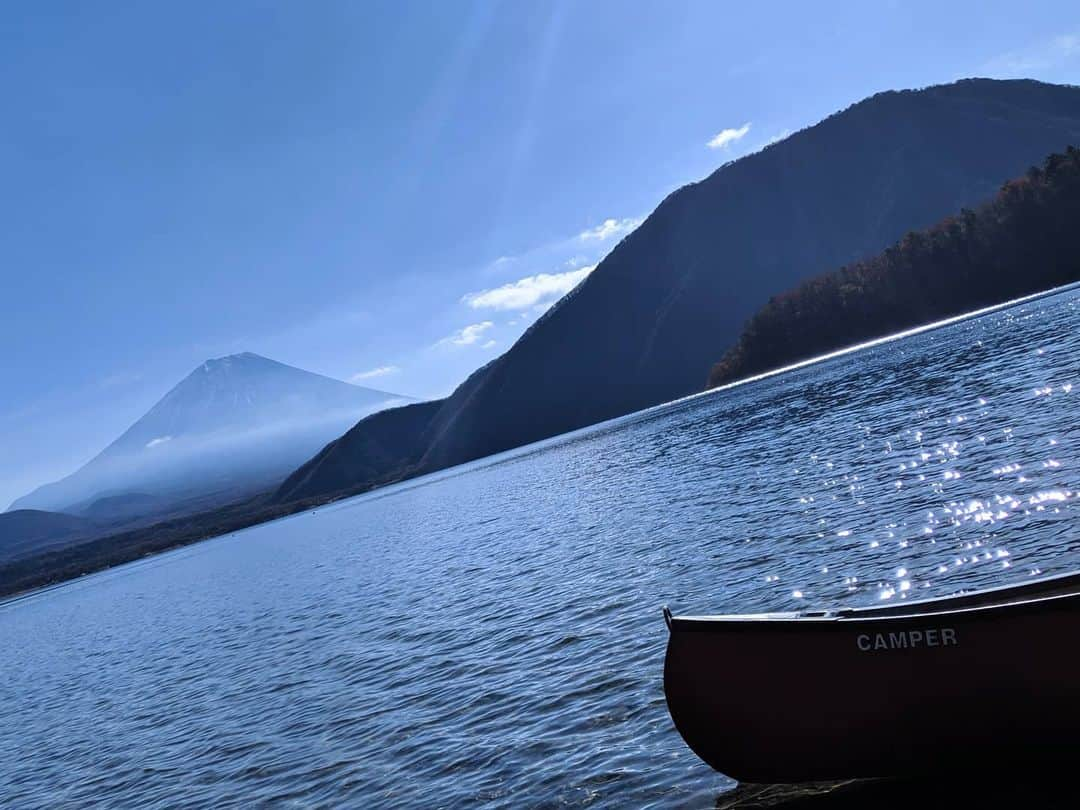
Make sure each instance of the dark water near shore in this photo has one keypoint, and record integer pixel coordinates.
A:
(492, 635)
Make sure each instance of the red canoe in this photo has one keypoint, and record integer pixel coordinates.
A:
(978, 679)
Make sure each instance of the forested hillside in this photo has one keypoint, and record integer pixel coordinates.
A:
(1025, 240)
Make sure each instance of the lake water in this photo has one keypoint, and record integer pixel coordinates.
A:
(492, 635)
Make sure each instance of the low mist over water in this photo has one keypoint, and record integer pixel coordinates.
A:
(492, 634)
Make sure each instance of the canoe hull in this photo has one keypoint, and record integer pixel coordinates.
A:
(802, 699)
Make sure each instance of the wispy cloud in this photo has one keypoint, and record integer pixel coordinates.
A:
(466, 336)
(491, 344)
(380, 371)
(542, 288)
(571, 252)
(119, 379)
(779, 136)
(1046, 55)
(725, 137)
(608, 229)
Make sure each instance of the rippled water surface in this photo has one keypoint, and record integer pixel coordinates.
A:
(492, 635)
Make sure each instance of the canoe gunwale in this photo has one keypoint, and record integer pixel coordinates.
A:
(777, 621)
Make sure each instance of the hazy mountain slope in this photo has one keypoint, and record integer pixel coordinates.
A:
(120, 507)
(1024, 241)
(25, 530)
(649, 322)
(234, 424)
(387, 446)
(380, 447)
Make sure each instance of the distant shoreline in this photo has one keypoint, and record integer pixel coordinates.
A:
(34, 575)
(869, 344)
(1021, 242)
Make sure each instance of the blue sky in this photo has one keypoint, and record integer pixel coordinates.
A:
(384, 192)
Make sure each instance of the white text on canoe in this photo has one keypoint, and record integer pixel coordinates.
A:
(907, 639)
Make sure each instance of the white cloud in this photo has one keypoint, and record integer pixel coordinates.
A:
(158, 440)
(491, 344)
(466, 336)
(609, 228)
(779, 136)
(528, 292)
(119, 379)
(725, 137)
(1048, 55)
(380, 371)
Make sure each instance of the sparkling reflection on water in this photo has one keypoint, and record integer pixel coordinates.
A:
(492, 635)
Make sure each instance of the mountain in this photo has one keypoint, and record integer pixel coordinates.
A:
(119, 507)
(26, 531)
(649, 322)
(234, 425)
(383, 446)
(1024, 241)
